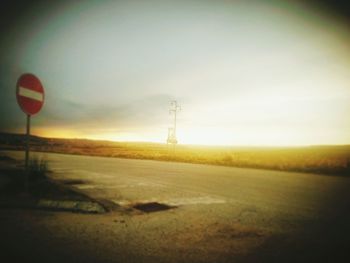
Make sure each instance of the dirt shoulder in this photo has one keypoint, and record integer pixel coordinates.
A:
(18, 190)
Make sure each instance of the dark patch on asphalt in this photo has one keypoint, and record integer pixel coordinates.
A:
(6, 158)
(238, 231)
(152, 207)
(245, 234)
(72, 181)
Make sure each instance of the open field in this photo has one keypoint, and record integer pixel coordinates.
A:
(314, 159)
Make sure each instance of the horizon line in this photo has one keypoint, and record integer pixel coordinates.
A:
(187, 144)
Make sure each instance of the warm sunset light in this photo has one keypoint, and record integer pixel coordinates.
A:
(272, 73)
(198, 131)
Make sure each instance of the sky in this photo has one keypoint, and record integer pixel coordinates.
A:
(244, 72)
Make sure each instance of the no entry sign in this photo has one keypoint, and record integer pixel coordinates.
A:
(30, 97)
(30, 94)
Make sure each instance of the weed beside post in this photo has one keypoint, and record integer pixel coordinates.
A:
(37, 170)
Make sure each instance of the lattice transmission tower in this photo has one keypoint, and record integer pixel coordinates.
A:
(174, 109)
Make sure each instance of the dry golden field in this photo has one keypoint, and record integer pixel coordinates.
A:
(314, 159)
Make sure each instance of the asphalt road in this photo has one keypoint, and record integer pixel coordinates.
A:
(222, 214)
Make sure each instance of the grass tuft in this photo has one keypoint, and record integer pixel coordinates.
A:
(38, 169)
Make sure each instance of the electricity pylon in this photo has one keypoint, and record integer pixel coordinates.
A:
(172, 130)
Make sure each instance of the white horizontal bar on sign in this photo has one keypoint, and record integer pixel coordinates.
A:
(31, 94)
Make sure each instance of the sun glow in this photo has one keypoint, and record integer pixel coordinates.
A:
(244, 73)
(57, 132)
(251, 120)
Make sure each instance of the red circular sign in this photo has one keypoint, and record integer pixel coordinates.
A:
(30, 94)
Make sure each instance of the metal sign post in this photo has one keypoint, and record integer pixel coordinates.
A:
(27, 141)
